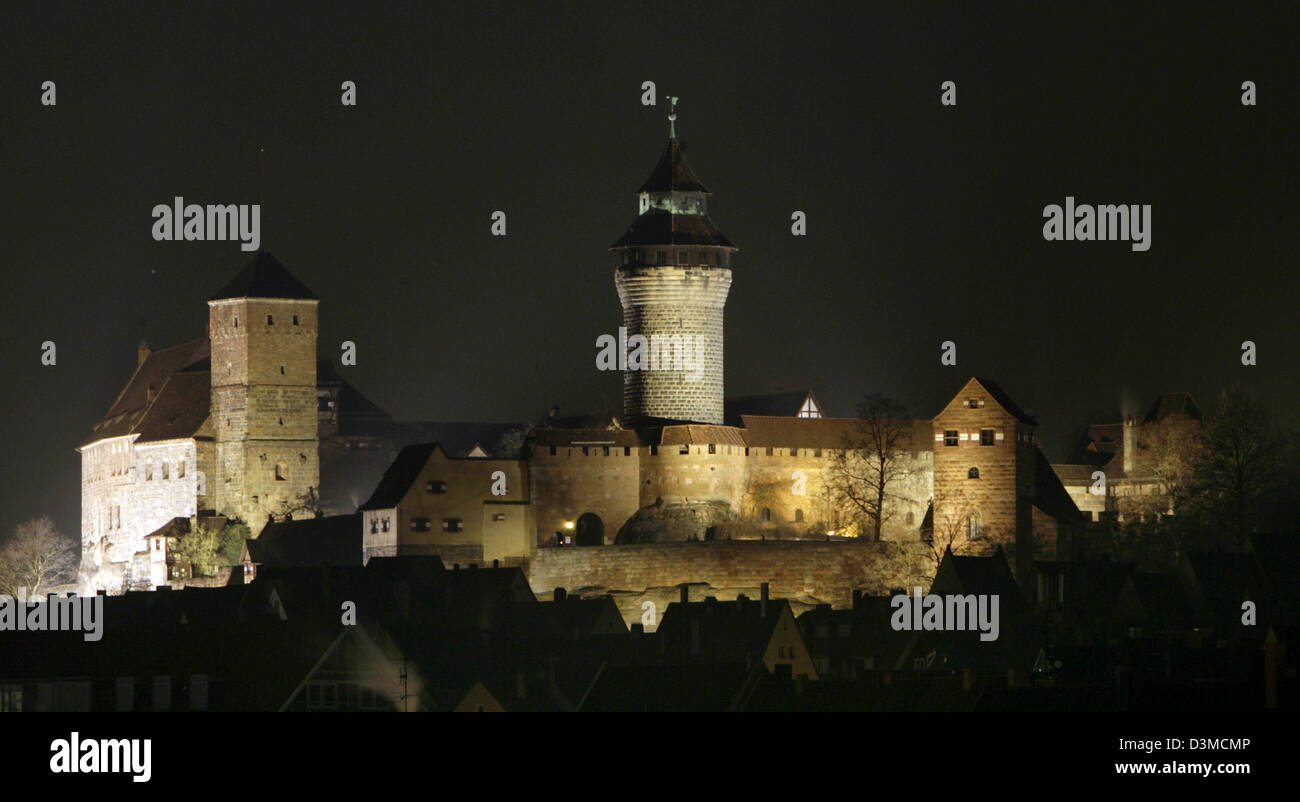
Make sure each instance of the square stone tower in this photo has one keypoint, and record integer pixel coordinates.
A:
(673, 278)
(263, 327)
(984, 472)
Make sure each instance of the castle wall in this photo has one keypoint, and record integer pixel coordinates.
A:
(568, 484)
(696, 475)
(807, 573)
(129, 490)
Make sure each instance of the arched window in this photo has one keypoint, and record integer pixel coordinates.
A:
(766, 514)
(279, 472)
(798, 516)
(973, 473)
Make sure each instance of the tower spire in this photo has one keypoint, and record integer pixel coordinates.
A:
(672, 118)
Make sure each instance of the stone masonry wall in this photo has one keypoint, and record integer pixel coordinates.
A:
(807, 573)
(671, 300)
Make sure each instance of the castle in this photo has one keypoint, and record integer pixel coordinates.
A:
(239, 423)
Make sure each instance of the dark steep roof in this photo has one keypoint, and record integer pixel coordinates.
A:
(1005, 401)
(264, 277)
(172, 409)
(1050, 495)
(673, 173)
(1170, 404)
(661, 227)
(335, 540)
(400, 476)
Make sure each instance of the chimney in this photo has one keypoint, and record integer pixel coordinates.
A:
(142, 352)
(1130, 444)
(762, 600)
(560, 594)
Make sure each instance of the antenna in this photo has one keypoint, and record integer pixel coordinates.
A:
(672, 119)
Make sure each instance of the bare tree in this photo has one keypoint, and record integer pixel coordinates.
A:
(948, 524)
(1168, 452)
(35, 557)
(873, 459)
(1238, 464)
(306, 505)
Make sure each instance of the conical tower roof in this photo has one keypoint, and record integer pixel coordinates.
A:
(673, 173)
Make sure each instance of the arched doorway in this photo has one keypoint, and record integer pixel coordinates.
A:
(590, 530)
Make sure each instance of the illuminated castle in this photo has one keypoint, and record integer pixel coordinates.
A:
(673, 278)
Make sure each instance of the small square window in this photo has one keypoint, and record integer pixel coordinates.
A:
(950, 437)
(420, 524)
(270, 321)
(769, 451)
(295, 320)
(606, 450)
(986, 437)
(713, 448)
(436, 486)
(654, 451)
(452, 525)
(498, 517)
(552, 451)
(684, 450)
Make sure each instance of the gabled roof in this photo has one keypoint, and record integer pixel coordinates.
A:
(133, 408)
(673, 173)
(787, 404)
(979, 575)
(1170, 404)
(1050, 495)
(661, 227)
(399, 477)
(335, 540)
(726, 631)
(458, 438)
(264, 277)
(1004, 400)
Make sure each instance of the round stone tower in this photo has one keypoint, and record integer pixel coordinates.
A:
(673, 277)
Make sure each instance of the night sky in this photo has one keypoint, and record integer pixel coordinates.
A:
(924, 221)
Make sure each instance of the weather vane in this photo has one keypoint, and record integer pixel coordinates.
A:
(672, 119)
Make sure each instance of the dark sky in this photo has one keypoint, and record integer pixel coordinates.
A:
(924, 222)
